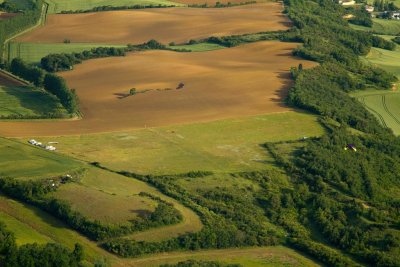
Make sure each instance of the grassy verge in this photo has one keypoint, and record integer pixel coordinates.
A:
(221, 146)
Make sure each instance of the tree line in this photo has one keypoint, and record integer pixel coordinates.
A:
(36, 255)
(51, 83)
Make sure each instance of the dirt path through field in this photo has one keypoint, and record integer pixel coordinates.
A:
(247, 80)
(163, 24)
(7, 80)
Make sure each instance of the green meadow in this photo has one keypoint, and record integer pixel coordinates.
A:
(381, 26)
(56, 6)
(222, 146)
(25, 101)
(25, 161)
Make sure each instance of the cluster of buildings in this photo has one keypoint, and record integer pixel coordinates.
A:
(39, 144)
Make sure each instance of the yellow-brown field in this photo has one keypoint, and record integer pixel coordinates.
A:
(163, 24)
(247, 80)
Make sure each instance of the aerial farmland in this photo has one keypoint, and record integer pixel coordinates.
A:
(198, 133)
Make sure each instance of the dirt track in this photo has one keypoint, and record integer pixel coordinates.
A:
(4, 15)
(246, 80)
(6, 80)
(163, 24)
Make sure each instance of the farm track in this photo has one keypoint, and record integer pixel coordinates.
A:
(380, 118)
(388, 111)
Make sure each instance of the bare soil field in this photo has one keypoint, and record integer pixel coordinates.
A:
(210, 2)
(5, 15)
(248, 80)
(163, 24)
(6, 80)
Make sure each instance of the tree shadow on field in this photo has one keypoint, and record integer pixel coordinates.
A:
(121, 95)
(141, 213)
(283, 91)
(37, 101)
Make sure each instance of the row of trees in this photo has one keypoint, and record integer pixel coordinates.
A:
(61, 62)
(36, 255)
(53, 84)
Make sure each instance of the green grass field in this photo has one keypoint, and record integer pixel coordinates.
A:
(20, 160)
(384, 105)
(56, 6)
(29, 102)
(41, 226)
(249, 257)
(221, 146)
(20, 4)
(24, 234)
(201, 47)
(34, 52)
(381, 26)
(94, 198)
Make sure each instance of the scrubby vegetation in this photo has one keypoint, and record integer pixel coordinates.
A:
(35, 193)
(36, 255)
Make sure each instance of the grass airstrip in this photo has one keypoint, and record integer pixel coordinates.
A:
(166, 25)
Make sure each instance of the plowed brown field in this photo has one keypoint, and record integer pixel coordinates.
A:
(246, 80)
(163, 24)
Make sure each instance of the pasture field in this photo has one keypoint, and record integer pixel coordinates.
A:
(45, 227)
(385, 59)
(24, 234)
(250, 257)
(228, 83)
(381, 26)
(34, 52)
(221, 146)
(113, 199)
(22, 161)
(200, 47)
(384, 105)
(56, 6)
(166, 25)
(26, 101)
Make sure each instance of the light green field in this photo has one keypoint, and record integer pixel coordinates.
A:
(23, 233)
(381, 26)
(249, 257)
(56, 6)
(20, 160)
(385, 59)
(100, 194)
(201, 47)
(28, 102)
(34, 52)
(45, 227)
(384, 105)
(93, 197)
(221, 146)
